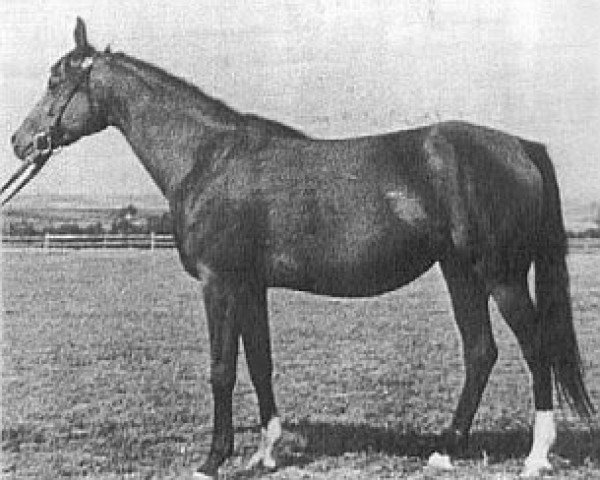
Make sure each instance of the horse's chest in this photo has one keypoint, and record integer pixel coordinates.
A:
(220, 235)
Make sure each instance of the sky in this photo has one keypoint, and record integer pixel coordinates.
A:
(334, 68)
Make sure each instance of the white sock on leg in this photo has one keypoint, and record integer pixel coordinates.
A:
(544, 435)
(268, 438)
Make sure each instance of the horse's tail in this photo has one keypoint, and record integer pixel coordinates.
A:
(558, 339)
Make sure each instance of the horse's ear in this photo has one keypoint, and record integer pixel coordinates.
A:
(80, 34)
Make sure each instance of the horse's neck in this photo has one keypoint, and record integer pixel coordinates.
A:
(166, 122)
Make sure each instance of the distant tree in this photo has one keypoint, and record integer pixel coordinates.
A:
(130, 211)
(93, 229)
(127, 221)
(66, 229)
(22, 227)
(121, 225)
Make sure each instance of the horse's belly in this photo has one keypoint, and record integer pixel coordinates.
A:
(354, 270)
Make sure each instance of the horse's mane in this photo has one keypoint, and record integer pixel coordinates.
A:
(157, 78)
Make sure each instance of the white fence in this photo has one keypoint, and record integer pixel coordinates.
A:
(149, 241)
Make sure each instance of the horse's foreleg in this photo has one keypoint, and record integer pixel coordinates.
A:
(257, 347)
(470, 303)
(221, 303)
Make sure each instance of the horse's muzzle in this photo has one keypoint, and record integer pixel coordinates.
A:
(34, 156)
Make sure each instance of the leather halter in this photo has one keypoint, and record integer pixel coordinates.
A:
(44, 141)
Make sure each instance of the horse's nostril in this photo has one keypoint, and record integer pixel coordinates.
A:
(13, 139)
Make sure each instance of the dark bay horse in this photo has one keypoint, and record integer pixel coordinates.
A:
(257, 204)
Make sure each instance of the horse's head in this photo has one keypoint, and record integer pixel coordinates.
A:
(65, 113)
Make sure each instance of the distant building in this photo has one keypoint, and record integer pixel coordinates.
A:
(127, 221)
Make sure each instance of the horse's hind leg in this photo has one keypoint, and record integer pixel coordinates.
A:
(517, 308)
(257, 348)
(471, 312)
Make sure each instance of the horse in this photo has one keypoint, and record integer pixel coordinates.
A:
(257, 204)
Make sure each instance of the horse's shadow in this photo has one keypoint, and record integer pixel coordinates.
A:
(307, 441)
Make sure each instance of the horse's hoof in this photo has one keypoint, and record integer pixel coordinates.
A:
(270, 436)
(535, 468)
(261, 469)
(203, 476)
(259, 461)
(208, 471)
(439, 461)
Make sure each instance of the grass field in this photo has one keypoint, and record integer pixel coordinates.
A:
(105, 375)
